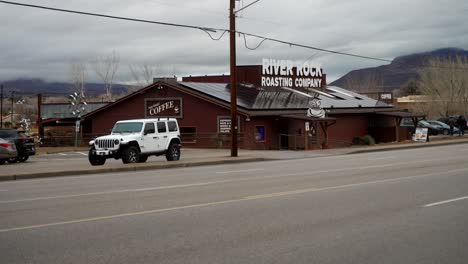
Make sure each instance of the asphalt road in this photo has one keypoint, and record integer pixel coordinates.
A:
(407, 206)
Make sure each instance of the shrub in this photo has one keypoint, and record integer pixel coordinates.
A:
(364, 140)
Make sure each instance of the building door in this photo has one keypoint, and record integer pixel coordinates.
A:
(284, 133)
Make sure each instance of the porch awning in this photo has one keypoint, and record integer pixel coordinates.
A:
(402, 114)
(306, 118)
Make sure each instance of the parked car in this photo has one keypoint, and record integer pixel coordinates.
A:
(24, 144)
(7, 150)
(432, 129)
(445, 128)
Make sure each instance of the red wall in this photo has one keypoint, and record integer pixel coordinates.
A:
(196, 113)
(204, 115)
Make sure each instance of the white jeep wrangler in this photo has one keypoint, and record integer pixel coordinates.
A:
(134, 140)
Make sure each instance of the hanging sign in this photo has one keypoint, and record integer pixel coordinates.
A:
(167, 107)
(315, 110)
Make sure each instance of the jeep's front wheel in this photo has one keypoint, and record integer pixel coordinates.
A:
(130, 155)
(94, 159)
(142, 158)
(173, 152)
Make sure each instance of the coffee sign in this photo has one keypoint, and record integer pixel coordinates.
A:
(167, 107)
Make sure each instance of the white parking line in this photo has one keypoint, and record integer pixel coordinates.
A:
(381, 158)
(81, 153)
(248, 198)
(239, 171)
(446, 201)
(62, 154)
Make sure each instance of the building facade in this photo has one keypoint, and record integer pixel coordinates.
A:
(268, 117)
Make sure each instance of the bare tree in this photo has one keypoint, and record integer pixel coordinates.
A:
(105, 68)
(143, 75)
(78, 78)
(444, 80)
(370, 85)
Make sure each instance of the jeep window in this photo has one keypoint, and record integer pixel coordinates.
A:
(161, 127)
(149, 128)
(130, 127)
(172, 126)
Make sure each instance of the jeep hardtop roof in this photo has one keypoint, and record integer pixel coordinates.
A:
(147, 119)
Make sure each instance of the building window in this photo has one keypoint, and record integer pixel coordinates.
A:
(161, 127)
(260, 133)
(188, 134)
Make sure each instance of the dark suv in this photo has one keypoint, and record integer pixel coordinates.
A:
(24, 144)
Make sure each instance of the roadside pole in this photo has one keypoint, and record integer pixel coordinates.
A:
(232, 38)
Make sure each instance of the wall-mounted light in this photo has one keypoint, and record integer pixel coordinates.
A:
(247, 119)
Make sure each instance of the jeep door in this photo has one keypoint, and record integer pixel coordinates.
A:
(162, 135)
(149, 139)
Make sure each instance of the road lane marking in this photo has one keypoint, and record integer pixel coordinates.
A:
(118, 191)
(203, 183)
(62, 154)
(239, 171)
(248, 198)
(187, 185)
(446, 201)
(81, 153)
(381, 158)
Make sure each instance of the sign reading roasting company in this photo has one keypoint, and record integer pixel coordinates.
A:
(292, 74)
(166, 107)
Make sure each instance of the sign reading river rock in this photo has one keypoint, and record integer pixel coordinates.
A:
(292, 74)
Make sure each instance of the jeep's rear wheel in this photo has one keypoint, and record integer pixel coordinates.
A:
(173, 152)
(130, 155)
(94, 159)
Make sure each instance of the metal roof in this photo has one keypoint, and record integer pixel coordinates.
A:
(267, 98)
(65, 110)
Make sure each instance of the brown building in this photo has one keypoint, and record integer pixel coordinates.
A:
(268, 117)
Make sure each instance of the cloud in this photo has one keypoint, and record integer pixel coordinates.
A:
(42, 44)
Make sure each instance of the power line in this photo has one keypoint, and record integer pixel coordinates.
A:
(113, 17)
(237, 11)
(205, 29)
(314, 48)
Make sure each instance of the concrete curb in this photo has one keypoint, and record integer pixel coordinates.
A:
(410, 146)
(218, 161)
(126, 169)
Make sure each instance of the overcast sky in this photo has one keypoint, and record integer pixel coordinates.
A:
(38, 43)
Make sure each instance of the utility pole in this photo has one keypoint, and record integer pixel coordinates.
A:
(232, 39)
(12, 106)
(1, 107)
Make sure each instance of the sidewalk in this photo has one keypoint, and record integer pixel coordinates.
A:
(40, 166)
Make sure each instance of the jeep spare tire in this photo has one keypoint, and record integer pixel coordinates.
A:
(130, 155)
(173, 152)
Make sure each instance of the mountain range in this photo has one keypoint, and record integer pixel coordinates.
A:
(385, 78)
(39, 86)
(393, 76)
